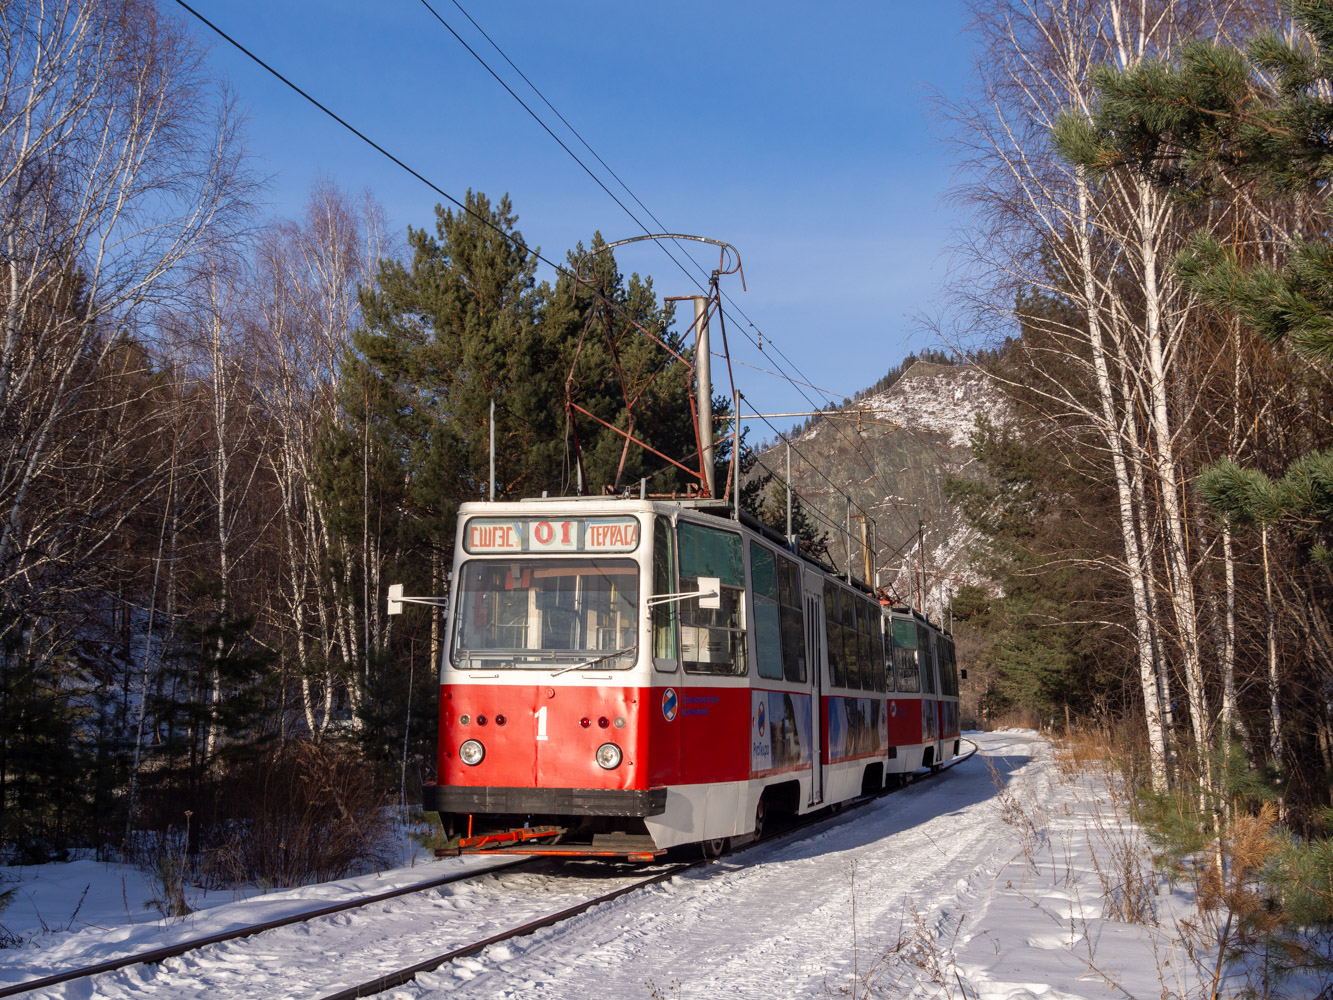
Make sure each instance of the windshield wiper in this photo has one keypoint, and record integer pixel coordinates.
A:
(597, 659)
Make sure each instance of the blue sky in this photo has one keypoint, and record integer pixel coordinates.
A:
(800, 133)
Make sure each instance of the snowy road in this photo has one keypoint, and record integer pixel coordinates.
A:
(979, 883)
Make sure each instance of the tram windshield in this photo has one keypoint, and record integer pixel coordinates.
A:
(534, 613)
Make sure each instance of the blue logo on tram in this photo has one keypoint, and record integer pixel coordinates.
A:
(763, 729)
(669, 704)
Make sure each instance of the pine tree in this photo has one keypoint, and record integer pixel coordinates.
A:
(187, 705)
(464, 324)
(617, 344)
(443, 335)
(44, 755)
(1050, 568)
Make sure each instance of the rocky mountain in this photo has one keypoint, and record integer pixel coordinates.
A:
(890, 452)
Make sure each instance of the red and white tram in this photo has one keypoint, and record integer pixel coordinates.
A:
(627, 675)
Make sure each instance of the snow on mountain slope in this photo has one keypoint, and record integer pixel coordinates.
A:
(891, 453)
(938, 398)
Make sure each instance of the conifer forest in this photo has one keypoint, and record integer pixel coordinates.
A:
(223, 436)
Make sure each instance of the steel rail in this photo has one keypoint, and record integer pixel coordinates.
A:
(171, 951)
(392, 979)
(958, 760)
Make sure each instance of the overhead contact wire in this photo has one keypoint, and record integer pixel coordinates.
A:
(508, 237)
(637, 221)
(537, 118)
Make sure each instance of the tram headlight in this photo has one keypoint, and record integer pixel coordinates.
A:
(609, 756)
(472, 752)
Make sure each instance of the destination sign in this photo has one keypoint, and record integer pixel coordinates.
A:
(578, 534)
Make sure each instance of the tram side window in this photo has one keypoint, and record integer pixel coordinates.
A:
(865, 645)
(793, 620)
(877, 646)
(833, 626)
(926, 644)
(712, 640)
(666, 613)
(851, 653)
(767, 612)
(948, 668)
(904, 655)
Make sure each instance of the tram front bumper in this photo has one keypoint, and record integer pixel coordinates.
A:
(544, 801)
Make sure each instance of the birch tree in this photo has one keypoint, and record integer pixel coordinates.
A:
(1048, 228)
(1208, 120)
(309, 275)
(117, 155)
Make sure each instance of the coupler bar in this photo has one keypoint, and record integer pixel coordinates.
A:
(510, 838)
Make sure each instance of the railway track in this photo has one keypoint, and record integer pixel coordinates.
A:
(310, 954)
(406, 975)
(156, 955)
(398, 974)
(397, 978)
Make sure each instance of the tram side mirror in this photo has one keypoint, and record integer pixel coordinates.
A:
(710, 592)
(395, 599)
(962, 674)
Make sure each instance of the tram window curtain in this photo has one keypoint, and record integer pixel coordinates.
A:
(904, 656)
(712, 639)
(886, 649)
(665, 614)
(948, 668)
(793, 621)
(767, 612)
(869, 667)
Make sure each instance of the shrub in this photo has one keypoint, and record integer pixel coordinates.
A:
(7, 940)
(301, 812)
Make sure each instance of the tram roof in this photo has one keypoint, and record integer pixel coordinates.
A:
(609, 503)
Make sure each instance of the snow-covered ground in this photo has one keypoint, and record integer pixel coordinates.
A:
(981, 884)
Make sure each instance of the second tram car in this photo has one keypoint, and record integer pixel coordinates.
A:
(623, 676)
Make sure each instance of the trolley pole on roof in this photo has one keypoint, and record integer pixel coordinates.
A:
(703, 371)
(492, 428)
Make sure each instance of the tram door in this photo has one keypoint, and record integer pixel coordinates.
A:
(814, 657)
(930, 682)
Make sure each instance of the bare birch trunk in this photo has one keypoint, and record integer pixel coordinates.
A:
(221, 468)
(1270, 622)
(1149, 682)
(1164, 459)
